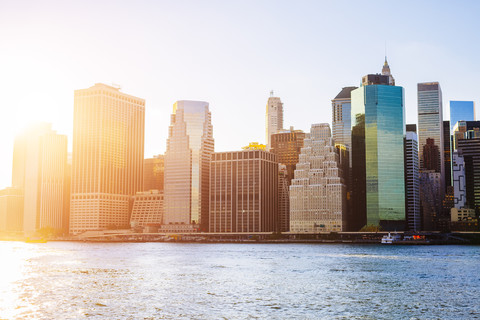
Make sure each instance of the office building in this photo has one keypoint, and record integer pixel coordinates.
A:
(341, 113)
(190, 146)
(283, 199)
(461, 111)
(287, 144)
(11, 210)
(147, 209)
(273, 118)
(107, 159)
(470, 150)
(464, 130)
(40, 170)
(244, 191)
(412, 182)
(432, 157)
(447, 153)
(153, 173)
(458, 175)
(317, 193)
(378, 129)
(386, 72)
(430, 124)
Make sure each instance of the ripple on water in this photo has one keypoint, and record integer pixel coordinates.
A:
(287, 281)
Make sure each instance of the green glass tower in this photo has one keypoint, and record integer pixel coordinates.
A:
(378, 130)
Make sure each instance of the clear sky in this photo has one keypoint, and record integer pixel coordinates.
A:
(229, 53)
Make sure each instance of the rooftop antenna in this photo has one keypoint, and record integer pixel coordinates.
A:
(385, 50)
(271, 93)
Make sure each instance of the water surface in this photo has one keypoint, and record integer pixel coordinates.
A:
(72, 280)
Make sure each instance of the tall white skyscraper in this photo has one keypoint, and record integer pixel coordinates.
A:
(317, 193)
(273, 118)
(40, 169)
(107, 167)
(190, 146)
(431, 155)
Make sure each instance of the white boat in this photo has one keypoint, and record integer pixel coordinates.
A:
(389, 238)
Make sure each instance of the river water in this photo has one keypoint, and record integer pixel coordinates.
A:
(73, 280)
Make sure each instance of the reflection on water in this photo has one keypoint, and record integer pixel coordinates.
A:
(65, 280)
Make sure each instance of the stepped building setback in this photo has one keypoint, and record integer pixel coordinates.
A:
(190, 146)
(317, 193)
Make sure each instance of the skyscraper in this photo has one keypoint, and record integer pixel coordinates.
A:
(430, 122)
(283, 199)
(458, 173)
(107, 159)
(447, 153)
(40, 169)
(386, 72)
(317, 193)
(11, 210)
(341, 113)
(273, 118)
(190, 146)
(432, 157)
(153, 173)
(286, 144)
(243, 191)
(470, 150)
(378, 129)
(412, 181)
(461, 111)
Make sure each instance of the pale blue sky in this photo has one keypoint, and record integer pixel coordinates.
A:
(229, 53)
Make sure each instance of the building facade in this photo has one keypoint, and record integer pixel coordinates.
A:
(11, 210)
(412, 182)
(317, 193)
(107, 159)
(287, 144)
(147, 209)
(40, 170)
(461, 111)
(341, 114)
(273, 118)
(470, 150)
(283, 199)
(378, 129)
(244, 192)
(153, 173)
(431, 145)
(458, 173)
(447, 153)
(190, 146)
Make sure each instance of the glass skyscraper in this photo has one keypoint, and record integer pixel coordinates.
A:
(378, 130)
(431, 155)
(461, 110)
(190, 146)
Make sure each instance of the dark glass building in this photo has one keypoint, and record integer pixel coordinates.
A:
(461, 111)
(378, 130)
(470, 150)
(153, 173)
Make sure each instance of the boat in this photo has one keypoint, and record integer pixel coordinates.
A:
(390, 239)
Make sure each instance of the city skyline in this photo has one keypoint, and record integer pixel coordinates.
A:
(49, 51)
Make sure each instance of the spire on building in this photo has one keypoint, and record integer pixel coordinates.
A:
(386, 72)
